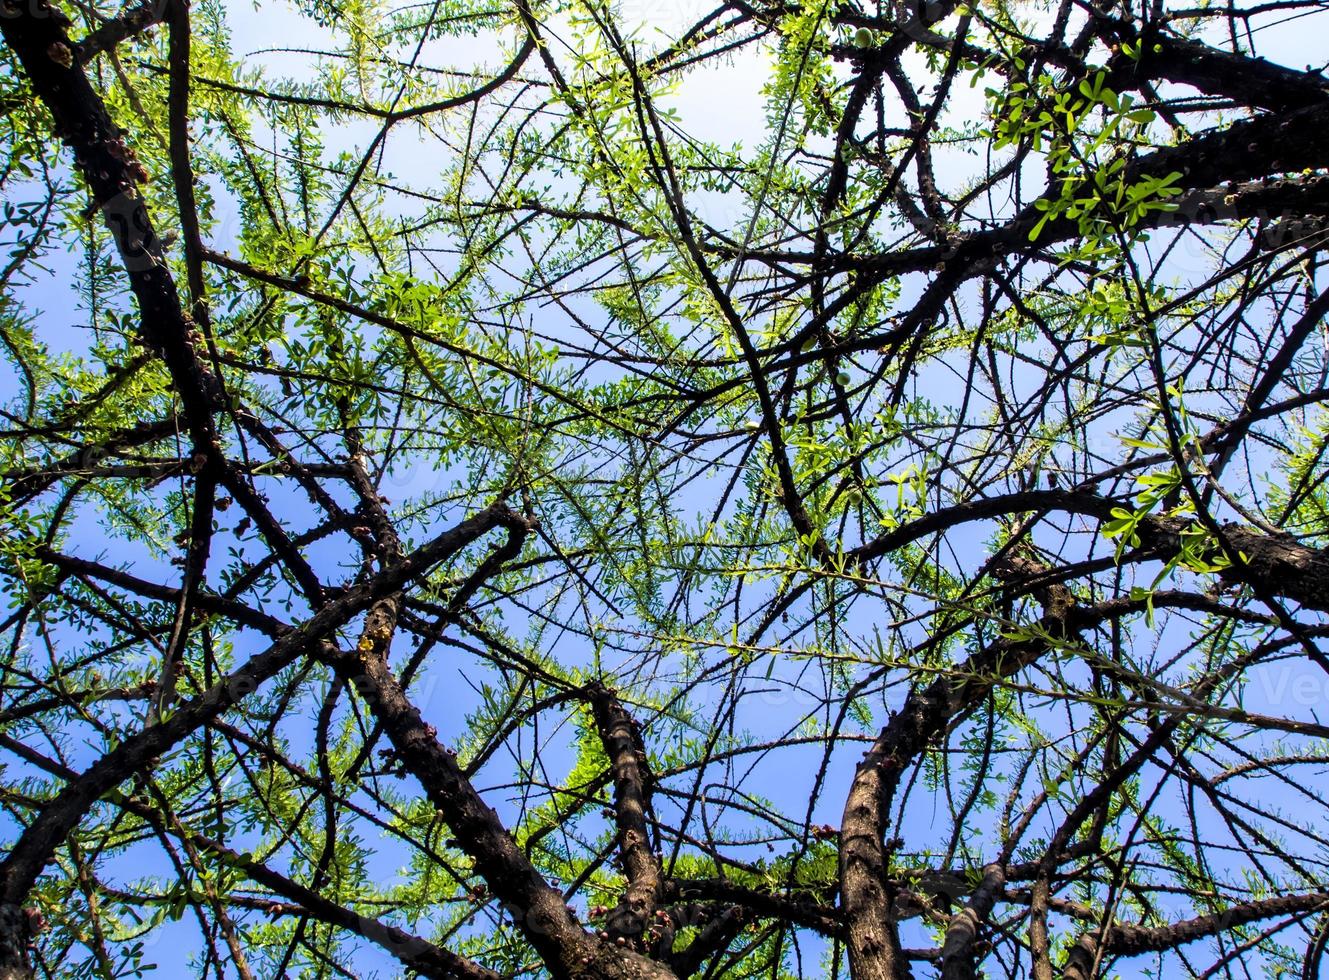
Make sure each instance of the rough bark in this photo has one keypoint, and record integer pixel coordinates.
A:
(866, 893)
(536, 907)
(636, 910)
(38, 842)
(957, 951)
(14, 938)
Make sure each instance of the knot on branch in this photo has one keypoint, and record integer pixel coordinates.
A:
(1021, 574)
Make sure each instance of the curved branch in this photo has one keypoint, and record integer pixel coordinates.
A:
(620, 734)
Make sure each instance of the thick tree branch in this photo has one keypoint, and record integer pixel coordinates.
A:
(134, 21)
(1126, 939)
(620, 734)
(957, 952)
(872, 939)
(424, 957)
(1279, 564)
(537, 908)
(1252, 153)
(37, 844)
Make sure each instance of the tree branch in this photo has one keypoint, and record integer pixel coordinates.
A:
(620, 734)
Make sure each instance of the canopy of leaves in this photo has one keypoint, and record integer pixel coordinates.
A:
(603, 489)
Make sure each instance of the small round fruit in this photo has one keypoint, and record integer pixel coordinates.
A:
(842, 378)
(863, 37)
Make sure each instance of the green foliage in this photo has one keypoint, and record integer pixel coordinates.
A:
(785, 340)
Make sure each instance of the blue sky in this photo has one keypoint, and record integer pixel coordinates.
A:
(444, 694)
